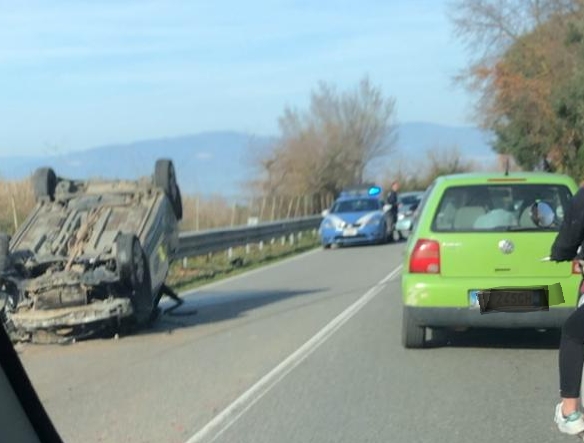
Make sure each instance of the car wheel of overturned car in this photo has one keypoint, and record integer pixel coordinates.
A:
(165, 177)
(135, 276)
(44, 183)
(4, 265)
(4, 252)
(413, 335)
(178, 207)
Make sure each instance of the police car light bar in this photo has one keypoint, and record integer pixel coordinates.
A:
(361, 190)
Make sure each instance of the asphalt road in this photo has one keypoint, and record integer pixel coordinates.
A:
(307, 350)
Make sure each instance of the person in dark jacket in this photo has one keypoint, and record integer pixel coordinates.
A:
(392, 199)
(568, 416)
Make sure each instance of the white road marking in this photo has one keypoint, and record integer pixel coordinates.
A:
(389, 276)
(223, 421)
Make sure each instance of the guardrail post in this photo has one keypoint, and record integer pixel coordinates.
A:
(261, 246)
(247, 248)
(283, 240)
(230, 252)
(291, 239)
(185, 262)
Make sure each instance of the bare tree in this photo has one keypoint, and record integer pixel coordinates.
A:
(331, 144)
(447, 160)
(489, 27)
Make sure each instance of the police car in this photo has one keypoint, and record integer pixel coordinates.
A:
(358, 216)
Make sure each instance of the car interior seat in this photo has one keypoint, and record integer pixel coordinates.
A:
(466, 216)
(525, 220)
(478, 204)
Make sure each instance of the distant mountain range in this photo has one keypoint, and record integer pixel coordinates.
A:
(419, 137)
(219, 162)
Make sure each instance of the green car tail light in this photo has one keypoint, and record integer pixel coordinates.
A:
(425, 257)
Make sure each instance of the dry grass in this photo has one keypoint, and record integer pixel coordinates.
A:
(199, 213)
(16, 202)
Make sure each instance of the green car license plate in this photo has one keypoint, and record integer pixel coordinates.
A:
(509, 299)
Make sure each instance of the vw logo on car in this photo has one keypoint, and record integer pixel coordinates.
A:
(506, 246)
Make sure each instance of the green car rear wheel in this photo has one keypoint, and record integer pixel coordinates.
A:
(413, 335)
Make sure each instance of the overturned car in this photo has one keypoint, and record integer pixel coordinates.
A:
(91, 252)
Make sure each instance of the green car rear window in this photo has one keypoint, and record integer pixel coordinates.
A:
(496, 207)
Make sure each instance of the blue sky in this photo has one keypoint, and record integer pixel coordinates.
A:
(77, 74)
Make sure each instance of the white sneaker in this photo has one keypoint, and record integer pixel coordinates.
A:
(572, 425)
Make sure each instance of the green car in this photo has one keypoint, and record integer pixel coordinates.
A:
(476, 257)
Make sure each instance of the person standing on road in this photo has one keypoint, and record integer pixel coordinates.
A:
(568, 416)
(392, 199)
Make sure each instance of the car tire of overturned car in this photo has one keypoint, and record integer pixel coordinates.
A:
(4, 251)
(165, 177)
(135, 276)
(44, 183)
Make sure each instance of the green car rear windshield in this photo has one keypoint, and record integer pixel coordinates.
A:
(497, 207)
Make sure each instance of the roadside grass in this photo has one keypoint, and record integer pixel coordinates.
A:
(202, 270)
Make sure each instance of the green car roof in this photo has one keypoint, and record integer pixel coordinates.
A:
(527, 177)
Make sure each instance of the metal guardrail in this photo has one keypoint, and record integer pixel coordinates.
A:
(204, 242)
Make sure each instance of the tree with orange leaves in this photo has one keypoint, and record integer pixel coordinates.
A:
(528, 74)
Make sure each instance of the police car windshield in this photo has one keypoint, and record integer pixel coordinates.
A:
(356, 205)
